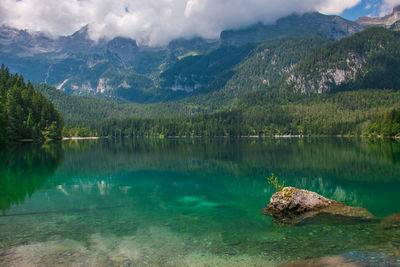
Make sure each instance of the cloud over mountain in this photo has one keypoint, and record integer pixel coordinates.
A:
(388, 5)
(155, 22)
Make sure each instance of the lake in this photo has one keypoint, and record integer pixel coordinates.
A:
(192, 202)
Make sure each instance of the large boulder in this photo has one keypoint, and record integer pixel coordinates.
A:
(292, 201)
(291, 206)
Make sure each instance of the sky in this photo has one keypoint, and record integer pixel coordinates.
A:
(157, 22)
(372, 8)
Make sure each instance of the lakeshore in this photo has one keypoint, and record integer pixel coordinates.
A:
(81, 138)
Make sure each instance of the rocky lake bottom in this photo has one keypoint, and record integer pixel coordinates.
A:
(194, 202)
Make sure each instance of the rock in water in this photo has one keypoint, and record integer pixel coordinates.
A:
(392, 221)
(292, 206)
(292, 201)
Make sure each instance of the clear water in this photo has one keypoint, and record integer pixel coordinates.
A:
(192, 202)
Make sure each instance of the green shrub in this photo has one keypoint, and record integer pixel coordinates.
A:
(273, 181)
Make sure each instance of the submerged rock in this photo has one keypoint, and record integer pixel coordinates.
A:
(324, 262)
(197, 202)
(292, 206)
(391, 221)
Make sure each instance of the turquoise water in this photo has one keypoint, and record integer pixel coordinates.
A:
(192, 202)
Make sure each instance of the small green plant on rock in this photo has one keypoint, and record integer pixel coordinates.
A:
(288, 192)
(273, 181)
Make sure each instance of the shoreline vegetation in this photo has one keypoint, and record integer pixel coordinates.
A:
(27, 115)
(81, 138)
(239, 137)
(365, 105)
(287, 136)
(301, 94)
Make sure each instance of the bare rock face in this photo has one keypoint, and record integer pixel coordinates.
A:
(292, 206)
(385, 21)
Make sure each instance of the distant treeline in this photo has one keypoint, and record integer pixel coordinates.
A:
(387, 124)
(359, 113)
(27, 114)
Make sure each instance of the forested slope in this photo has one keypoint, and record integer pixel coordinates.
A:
(306, 86)
(24, 112)
(367, 60)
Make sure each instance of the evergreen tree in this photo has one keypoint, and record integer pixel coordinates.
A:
(24, 112)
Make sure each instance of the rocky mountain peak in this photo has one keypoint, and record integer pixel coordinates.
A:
(23, 42)
(314, 23)
(82, 33)
(387, 20)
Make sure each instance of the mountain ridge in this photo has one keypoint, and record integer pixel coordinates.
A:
(328, 26)
(387, 20)
(257, 99)
(80, 66)
(352, 62)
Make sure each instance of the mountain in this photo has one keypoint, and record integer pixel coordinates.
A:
(303, 85)
(84, 110)
(194, 72)
(303, 65)
(309, 24)
(198, 72)
(118, 68)
(269, 62)
(23, 43)
(77, 110)
(369, 59)
(305, 74)
(260, 69)
(386, 21)
(395, 26)
(67, 62)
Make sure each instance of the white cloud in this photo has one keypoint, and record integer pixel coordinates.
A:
(388, 6)
(336, 6)
(392, 3)
(154, 22)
